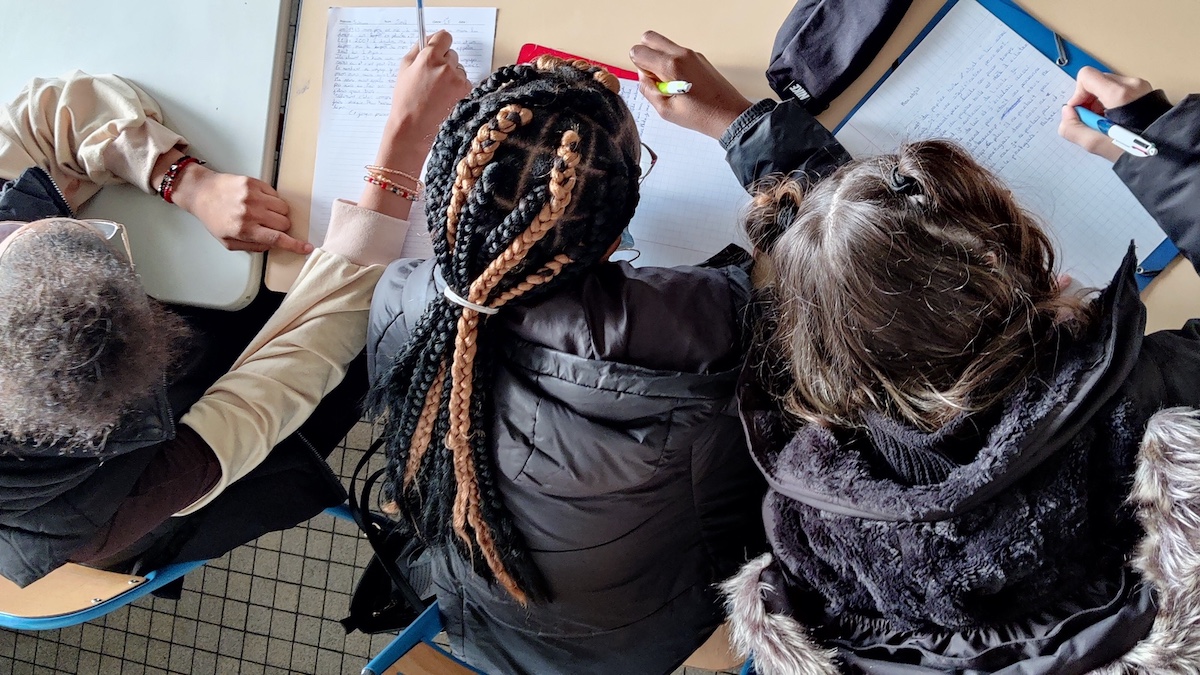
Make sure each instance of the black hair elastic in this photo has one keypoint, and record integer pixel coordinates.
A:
(902, 184)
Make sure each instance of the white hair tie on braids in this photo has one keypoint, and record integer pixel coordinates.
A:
(453, 296)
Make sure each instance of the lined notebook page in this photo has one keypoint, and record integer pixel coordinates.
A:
(975, 80)
(691, 201)
(363, 48)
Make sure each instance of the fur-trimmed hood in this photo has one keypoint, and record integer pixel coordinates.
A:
(1166, 498)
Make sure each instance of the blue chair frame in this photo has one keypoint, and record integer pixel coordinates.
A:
(154, 581)
(424, 629)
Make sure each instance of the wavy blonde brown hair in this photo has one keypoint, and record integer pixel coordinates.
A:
(911, 284)
(80, 341)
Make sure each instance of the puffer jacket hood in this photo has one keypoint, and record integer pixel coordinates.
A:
(621, 461)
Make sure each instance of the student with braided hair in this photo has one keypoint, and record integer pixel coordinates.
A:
(558, 427)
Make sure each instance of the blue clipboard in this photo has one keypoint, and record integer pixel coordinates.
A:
(1045, 41)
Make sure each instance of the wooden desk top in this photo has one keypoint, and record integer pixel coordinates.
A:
(737, 39)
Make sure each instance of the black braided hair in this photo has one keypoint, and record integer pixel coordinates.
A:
(548, 156)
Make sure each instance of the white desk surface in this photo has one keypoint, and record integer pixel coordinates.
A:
(215, 68)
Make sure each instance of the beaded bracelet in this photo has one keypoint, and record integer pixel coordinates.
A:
(167, 186)
(374, 168)
(398, 190)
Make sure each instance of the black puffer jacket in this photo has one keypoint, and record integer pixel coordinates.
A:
(1067, 543)
(621, 459)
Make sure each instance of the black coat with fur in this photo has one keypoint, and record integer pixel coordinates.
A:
(1003, 542)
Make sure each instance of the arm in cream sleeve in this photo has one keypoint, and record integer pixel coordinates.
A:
(303, 351)
(86, 131)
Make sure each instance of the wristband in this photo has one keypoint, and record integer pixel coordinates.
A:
(167, 186)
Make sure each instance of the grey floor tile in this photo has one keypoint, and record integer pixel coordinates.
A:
(46, 654)
(208, 636)
(110, 664)
(68, 659)
(254, 648)
(279, 653)
(181, 658)
(212, 607)
(308, 630)
(287, 597)
(262, 591)
(228, 664)
(89, 663)
(238, 587)
(291, 568)
(234, 615)
(258, 621)
(283, 626)
(113, 644)
(231, 643)
(329, 661)
(293, 541)
(158, 654)
(184, 633)
(135, 647)
(214, 581)
(203, 663)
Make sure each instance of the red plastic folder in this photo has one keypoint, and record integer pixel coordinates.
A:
(531, 51)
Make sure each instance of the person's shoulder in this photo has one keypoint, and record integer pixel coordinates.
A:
(400, 297)
(684, 319)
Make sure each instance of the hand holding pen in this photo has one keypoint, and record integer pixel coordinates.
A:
(1096, 92)
(711, 103)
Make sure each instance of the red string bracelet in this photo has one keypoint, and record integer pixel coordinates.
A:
(385, 184)
(167, 186)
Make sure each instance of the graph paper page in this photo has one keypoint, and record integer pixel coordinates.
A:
(975, 80)
(691, 202)
(363, 48)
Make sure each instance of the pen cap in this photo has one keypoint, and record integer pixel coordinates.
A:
(824, 45)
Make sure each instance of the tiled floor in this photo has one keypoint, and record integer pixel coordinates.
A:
(268, 607)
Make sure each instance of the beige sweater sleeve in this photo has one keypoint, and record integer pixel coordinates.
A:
(303, 351)
(86, 131)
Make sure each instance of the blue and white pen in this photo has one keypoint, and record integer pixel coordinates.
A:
(421, 24)
(1121, 137)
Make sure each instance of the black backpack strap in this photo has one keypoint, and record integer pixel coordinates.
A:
(377, 527)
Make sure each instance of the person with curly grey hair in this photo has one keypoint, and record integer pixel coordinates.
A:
(134, 435)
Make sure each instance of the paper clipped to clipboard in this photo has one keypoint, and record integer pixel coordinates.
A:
(975, 79)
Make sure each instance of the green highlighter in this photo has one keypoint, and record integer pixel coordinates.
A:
(674, 87)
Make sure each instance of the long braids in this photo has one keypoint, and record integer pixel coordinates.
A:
(531, 180)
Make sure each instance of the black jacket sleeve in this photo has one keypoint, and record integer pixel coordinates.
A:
(781, 138)
(1168, 184)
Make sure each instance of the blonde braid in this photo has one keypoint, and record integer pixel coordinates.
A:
(548, 272)
(466, 511)
(423, 435)
(599, 73)
(483, 148)
(562, 182)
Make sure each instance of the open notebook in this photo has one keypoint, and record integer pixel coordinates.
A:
(974, 79)
(363, 48)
